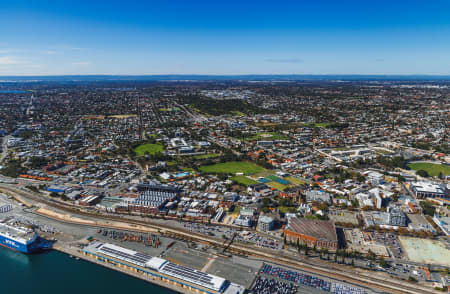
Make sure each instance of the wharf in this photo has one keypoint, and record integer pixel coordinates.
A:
(76, 253)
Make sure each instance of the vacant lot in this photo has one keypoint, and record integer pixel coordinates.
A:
(243, 180)
(426, 251)
(432, 169)
(148, 148)
(232, 167)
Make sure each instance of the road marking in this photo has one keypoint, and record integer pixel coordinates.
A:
(208, 264)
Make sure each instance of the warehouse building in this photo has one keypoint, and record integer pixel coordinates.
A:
(428, 189)
(319, 233)
(151, 200)
(155, 267)
(443, 223)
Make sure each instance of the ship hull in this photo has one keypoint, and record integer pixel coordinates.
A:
(14, 245)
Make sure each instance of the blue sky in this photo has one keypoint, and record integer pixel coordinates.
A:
(224, 37)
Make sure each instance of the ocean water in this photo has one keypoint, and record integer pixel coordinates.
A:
(55, 272)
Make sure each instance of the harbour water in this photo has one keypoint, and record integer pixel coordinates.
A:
(55, 272)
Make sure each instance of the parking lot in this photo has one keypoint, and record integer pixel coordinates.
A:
(279, 280)
(391, 241)
(242, 236)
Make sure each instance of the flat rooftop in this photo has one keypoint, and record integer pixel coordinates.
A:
(319, 229)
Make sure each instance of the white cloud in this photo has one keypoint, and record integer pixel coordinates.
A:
(8, 60)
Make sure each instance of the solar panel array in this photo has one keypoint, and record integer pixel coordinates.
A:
(188, 274)
(137, 258)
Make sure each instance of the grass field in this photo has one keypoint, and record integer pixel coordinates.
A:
(266, 136)
(276, 185)
(431, 168)
(263, 174)
(232, 167)
(148, 148)
(287, 209)
(123, 115)
(243, 180)
(203, 156)
(237, 113)
(317, 125)
(295, 181)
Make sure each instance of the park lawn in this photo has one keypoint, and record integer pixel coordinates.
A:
(243, 180)
(232, 167)
(122, 116)
(203, 156)
(267, 136)
(187, 169)
(287, 209)
(263, 174)
(237, 113)
(317, 125)
(432, 169)
(276, 185)
(295, 181)
(148, 148)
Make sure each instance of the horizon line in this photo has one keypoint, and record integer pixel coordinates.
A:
(224, 75)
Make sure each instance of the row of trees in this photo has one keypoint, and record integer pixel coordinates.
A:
(340, 255)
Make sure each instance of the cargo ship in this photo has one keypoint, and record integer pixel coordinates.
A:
(21, 238)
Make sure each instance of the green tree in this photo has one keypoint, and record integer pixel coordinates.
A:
(370, 255)
(427, 208)
(54, 194)
(422, 173)
(382, 262)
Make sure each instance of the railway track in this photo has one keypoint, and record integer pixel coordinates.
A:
(343, 275)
